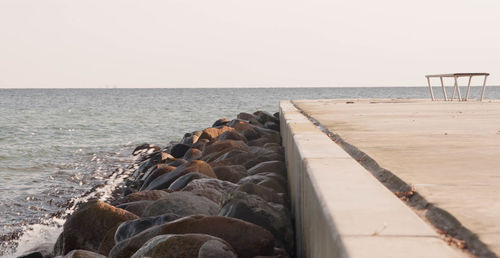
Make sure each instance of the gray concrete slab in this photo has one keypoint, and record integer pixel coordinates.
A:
(449, 151)
(340, 209)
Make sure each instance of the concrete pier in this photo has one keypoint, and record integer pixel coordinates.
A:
(442, 158)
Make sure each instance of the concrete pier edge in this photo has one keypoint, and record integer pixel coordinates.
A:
(444, 222)
(333, 215)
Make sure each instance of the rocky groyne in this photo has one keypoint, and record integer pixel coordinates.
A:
(218, 192)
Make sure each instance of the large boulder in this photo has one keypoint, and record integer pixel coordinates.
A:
(220, 122)
(245, 129)
(247, 239)
(160, 171)
(179, 150)
(152, 195)
(232, 173)
(210, 186)
(108, 241)
(182, 204)
(212, 133)
(164, 181)
(263, 192)
(234, 157)
(83, 254)
(268, 156)
(250, 118)
(275, 166)
(136, 207)
(192, 154)
(88, 225)
(232, 135)
(182, 181)
(185, 245)
(264, 117)
(40, 251)
(224, 146)
(131, 228)
(274, 184)
(271, 216)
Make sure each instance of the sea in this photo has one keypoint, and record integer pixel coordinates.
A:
(60, 147)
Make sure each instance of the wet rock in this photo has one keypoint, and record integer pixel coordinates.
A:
(179, 150)
(160, 171)
(232, 173)
(141, 196)
(41, 251)
(164, 181)
(83, 231)
(192, 154)
(185, 245)
(182, 181)
(271, 216)
(247, 239)
(145, 148)
(212, 133)
(275, 166)
(182, 204)
(261, 191)
(224, 146)
(221, 122)
(108, 241)
(136, 207)
(83, 254)
(245, 129)
(131, 228)
(232, 135)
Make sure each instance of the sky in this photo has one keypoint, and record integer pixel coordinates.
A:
(234, 43)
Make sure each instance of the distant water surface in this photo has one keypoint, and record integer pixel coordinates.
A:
(57, 144)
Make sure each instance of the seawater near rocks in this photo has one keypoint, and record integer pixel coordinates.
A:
(217, 192)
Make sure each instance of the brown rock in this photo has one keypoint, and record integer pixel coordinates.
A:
(220, 122)
(192, 154)
(164, 181)
(212, 133)
(245, 129)
(185, 245)
(108, 241)
(182, 204)
(232, 135)
(275, 166)
(247, 239)
(160, 171)
(261, 191)
(232, 173)
(88, 225)
(224, 146)
(136, 207)
(141, 196)
(83, 254)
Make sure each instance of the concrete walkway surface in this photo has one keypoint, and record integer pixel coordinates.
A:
(448, 151)
(340, 209)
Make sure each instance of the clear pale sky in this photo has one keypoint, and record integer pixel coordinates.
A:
(224, 43)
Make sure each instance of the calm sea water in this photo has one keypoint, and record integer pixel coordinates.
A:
(58, 144)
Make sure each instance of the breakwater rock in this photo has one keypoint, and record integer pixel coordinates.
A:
(217, 192)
